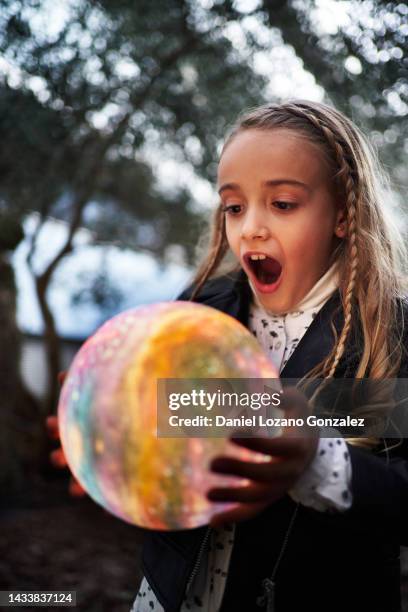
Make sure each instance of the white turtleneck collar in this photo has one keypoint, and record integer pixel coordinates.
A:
(317, 295)
(280, 334)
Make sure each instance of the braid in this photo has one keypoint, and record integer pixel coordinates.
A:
(349, 177)
(349, 293)
(372, 257)
(344, 161)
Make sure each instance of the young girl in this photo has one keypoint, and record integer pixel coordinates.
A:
(319, 281)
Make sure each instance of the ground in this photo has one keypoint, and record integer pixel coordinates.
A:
(56, 542)
(70, 544)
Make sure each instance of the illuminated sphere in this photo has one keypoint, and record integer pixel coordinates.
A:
(108, 411)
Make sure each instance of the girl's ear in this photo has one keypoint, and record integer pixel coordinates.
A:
(340, 228)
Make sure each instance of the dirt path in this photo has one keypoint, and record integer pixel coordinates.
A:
(71, 546)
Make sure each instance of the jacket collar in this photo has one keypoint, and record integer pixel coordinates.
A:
(232, 294)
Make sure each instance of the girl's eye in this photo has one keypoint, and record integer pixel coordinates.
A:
(281, 205)
(231, 209)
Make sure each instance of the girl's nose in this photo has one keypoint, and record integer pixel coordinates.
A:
(254, 229)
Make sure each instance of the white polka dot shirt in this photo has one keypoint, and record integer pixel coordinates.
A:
(324, 486)
(326, 483)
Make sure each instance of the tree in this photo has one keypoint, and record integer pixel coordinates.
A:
(19, 434)
(361, 64)
(87, 99)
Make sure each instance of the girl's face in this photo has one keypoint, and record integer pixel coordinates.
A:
(282, 221)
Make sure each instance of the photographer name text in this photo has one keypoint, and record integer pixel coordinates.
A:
(259, 420)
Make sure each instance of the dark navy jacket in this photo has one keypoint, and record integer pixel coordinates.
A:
(342, 562)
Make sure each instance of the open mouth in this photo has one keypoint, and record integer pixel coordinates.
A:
(265, 269)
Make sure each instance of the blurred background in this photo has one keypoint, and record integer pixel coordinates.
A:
(112, 114)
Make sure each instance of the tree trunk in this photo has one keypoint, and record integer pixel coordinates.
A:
(21, 432)
(52, 346)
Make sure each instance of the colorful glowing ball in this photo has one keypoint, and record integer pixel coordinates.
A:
(108, 411)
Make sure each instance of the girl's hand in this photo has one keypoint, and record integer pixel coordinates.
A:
(57, 456)
(290, 455)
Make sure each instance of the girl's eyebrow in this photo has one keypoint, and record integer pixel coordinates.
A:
(271, 183)
(228, 186)
(287, 181)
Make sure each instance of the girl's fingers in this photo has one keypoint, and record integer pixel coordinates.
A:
(61, 377)
(237, 514)
(52, 426)
(279, 446)
(260, 472)
(249, 494)
(294, 403)
(58, 458)
(75, 489)
(295, 406)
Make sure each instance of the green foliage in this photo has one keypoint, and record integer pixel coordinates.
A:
(31, 135)
(362, 65)
(82, 101)
(115, 77)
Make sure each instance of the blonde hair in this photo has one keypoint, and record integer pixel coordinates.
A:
(372, 256)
